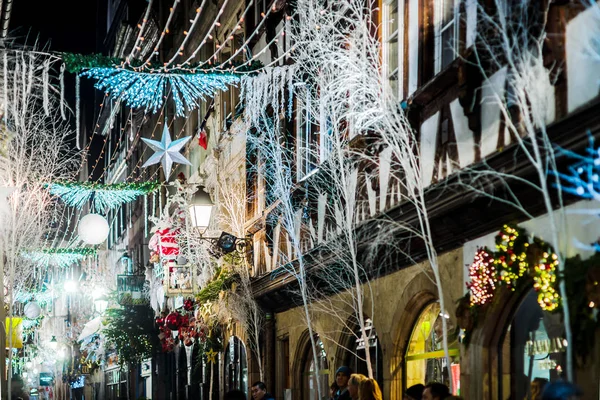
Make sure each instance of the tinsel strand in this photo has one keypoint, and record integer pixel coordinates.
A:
(145, 215)
(5, 63)
(77, 100)
(153, 205)
(121, 225)
(62, 92)
(15, 91)
(45, 84)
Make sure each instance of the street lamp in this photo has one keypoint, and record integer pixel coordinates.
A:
(101, 303)
(200, 213)
(201, 210)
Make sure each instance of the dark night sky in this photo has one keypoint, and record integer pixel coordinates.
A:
(68, 25)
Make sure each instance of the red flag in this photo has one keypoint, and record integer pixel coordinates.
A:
(202, 139)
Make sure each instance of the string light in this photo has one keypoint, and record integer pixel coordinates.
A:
(482, 273)
(77, 194)
(511, 263)
(545, 279)
(60, 257)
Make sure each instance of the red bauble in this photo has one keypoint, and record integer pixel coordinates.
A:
(188, 304)
(185, 320)
(173, 321)
(160, 321)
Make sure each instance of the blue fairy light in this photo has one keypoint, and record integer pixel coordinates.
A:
(61, 258)
(77, 194)
(582, 176)
(148, 90)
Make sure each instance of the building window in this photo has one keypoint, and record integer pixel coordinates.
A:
(310, 379)
(236, 366)
(359, 359)
(446, 43)
(533, 348)
(393, 39)
(425, 360)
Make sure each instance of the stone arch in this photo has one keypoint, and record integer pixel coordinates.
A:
(480, 364)
(302, 355)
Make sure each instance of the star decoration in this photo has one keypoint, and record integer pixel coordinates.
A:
(211, 356)
(166, 151)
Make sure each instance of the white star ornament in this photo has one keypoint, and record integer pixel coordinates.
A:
(166, 152)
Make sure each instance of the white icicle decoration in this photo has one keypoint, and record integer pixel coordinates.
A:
(45, 86)
(145, 215)
(5, 63)
(62, 91)
(77, 100)
(15, 91)
(267, 88)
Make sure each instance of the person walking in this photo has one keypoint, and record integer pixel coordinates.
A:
(342, 375)
(353, 385)
(369, 390)
(259, 392)
(436, 391)
(415, 392)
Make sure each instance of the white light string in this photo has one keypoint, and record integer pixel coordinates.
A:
(163, 33)
(140, 36)
(208, 35)
(188, 33)
(230, 36)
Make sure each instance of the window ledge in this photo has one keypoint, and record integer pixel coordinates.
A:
(436, 85)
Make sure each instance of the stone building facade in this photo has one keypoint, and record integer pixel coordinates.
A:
(457, 128)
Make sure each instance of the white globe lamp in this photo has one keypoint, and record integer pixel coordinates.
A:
(32, 310)
(93, 229)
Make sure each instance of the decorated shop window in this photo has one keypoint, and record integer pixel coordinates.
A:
(179, 279)
(425, 361)
(533, 348)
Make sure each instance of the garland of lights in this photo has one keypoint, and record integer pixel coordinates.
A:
(149, 90)
(511, 257)
(482, 274)
(61, 257)
(515, 255)
(544, 276)
(77, 194)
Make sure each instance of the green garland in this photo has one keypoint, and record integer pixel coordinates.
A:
(223, 280)
(82, 251)
(75, 63)
(146, 187)
(79, 194)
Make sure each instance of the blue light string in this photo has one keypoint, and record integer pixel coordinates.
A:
(147, 90)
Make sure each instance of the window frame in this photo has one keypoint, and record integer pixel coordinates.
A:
(440, 29)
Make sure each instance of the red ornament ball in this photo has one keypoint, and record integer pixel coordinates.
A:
(173, 321)
(160, 321)
(188, 304)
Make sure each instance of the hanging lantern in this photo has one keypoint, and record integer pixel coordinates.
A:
(32, 310)
(126, 264)
(93, 229)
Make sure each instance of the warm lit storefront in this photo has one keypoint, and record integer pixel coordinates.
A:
(425, 360)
